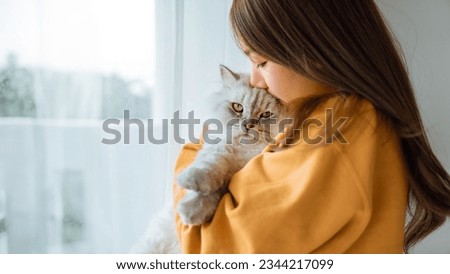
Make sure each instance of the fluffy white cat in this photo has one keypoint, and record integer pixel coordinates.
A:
(250, 119)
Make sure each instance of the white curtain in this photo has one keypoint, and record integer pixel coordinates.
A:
(61, 189)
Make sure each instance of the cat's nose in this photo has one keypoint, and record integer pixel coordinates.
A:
(248, 124)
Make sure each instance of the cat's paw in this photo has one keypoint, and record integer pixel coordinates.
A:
(198, 179)
(193, 210)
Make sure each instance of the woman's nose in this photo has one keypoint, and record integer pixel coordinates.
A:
(256, 78)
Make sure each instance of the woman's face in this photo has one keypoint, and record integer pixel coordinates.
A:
(280, 81)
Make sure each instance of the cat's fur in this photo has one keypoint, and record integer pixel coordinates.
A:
(254, 116)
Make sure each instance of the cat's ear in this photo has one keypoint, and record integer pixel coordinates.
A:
(228, 76)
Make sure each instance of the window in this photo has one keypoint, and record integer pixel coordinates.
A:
(65, 66)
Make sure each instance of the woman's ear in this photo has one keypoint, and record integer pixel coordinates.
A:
(228, 76)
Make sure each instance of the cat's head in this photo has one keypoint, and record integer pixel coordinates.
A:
(246, 108)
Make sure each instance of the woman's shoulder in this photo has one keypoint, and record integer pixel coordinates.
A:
(365, 124)
(338, 122)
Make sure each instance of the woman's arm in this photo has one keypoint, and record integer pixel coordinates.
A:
(282, 203)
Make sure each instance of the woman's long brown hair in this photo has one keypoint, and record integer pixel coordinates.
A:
(347, 45)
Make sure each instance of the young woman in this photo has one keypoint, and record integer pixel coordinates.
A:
(349, 194)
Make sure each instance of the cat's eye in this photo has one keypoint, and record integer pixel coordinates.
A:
(237, 107)
(266, 115)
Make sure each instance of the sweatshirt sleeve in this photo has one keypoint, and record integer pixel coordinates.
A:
(305, 199)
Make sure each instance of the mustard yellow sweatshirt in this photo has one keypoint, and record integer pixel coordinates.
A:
(329, 198)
